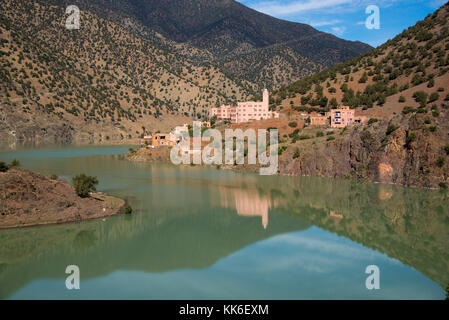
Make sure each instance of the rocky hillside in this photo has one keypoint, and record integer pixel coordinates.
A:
(243, 42)
(386, 79)
(409, 149)
(101, 82)
(403, 88)
(29, 199)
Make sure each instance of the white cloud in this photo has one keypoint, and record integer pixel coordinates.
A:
(324, 23)
(288, 8)
(276, 8)
(339, 30)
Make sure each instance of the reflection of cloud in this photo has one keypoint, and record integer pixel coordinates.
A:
(340, 249)
(311, 252)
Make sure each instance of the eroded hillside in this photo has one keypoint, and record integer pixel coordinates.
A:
(98, 83)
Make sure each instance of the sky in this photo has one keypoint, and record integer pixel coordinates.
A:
(346, 18)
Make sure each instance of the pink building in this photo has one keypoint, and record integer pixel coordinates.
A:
(343, 117)
(246, 111)
(223, 113)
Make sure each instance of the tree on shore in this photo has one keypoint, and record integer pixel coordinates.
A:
(3, 167)
(84, 185)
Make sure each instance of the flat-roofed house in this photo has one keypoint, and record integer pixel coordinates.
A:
(319, 121)
(163, 140)
(342, 117)
(223, 113)
(246, 111)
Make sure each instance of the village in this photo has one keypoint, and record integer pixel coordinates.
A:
(259, 114)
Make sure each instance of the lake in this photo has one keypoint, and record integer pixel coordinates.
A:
(203, 233)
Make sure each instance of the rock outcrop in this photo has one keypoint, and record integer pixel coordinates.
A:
(412, 154)
(29, 199)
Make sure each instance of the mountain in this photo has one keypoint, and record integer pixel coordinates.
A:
(385, 79)
(101, 82)
(243, 42)
(402, 87)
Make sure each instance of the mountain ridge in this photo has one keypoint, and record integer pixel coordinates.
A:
(228, 31)
(94, 84)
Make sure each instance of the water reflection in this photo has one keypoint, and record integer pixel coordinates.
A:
(247, 202)
(190, 218)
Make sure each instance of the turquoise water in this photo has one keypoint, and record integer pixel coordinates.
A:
(201, 233)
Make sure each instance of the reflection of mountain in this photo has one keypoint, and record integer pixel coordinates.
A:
(411, 225)
(192, 218)
(193, 240)
(248, 203)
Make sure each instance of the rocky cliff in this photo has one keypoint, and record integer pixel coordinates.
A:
(409, 149)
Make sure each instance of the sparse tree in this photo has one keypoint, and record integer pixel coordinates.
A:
(84, 185)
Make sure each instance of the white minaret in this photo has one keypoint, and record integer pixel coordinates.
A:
(266, 98)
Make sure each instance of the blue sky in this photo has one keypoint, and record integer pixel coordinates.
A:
(346, 18)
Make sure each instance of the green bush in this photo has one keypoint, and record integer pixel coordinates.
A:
(446, 148)
(3, 167)
(54, 177)
(401, 99)
(84, 184)
(280, 150)
(128, 209)
(296, 154)
(441, 161)
(421, 97)
(15, 163)
(408, 110)
(411, 137)
(293, 124)
(372, 120)
(330, 138)
(432, 128)
(421, 110)
(434, 97)
(69, 204)
(391, 128)
(443, 185)
(320, 134)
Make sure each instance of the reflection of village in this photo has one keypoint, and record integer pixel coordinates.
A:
(247, 202)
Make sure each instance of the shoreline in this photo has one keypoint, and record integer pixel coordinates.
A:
(144, 155)
(26, 226)
(24, 193)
